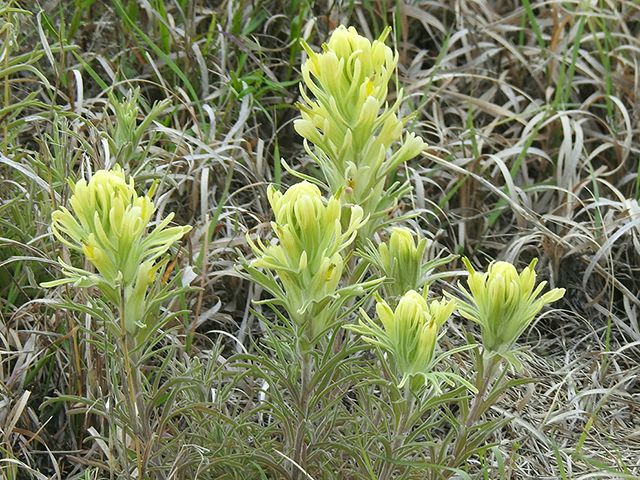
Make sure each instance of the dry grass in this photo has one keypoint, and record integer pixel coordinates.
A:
(531, 113)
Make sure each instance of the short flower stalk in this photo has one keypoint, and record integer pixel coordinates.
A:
(108, 224)
(503, 303)
(409, 335)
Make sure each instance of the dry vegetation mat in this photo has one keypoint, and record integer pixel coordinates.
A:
(332, 239)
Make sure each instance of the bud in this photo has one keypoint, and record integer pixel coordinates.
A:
(402, 261)
(125, 134)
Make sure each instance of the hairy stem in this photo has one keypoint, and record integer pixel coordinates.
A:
(403, 427)
(132, 386)
(484, 378)
(306, 391)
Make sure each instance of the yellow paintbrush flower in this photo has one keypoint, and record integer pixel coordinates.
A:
(307, 257)
(349, 120)
(402, 261)
(351, 75)
(504, 303)
(409, 333)
(108, 222)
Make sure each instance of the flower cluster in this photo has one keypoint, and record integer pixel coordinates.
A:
(410, 332)
(307, 257)
(504, 303)
(350, 122)
(109, 225)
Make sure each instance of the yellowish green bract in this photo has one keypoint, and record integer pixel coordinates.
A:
(410, 332)
(350, 122)
(308, 258)
(108, 223)
(504, 302)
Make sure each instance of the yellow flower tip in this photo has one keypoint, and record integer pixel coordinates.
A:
(385, 313)
(402, 243)
(528, 276)
(330, 270)
(414, 144)
(357, 214)
(504, 269)
(441, 310)
(333, 207)
(347, 44)
(295, 192)
(553, 295)
(305, 211)
(369, 85)
(412, 305)
(302, 264)
(88, 251)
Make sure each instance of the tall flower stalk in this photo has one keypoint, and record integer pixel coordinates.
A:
(409, 336)
(350, 123)
(302, 269)
(503, 303)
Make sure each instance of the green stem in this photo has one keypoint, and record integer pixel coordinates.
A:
(403, 427)
(299, 455)
(484, 377)
(132, 386)
(483, 381)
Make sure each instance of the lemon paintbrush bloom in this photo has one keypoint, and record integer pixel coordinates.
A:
(349, 121)
(402, 260)
(409, 333)
(350, 77)
(307, 258)
(109, 226)
(306, 223)
(504, 302)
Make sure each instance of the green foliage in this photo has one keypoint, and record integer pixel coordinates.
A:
(497, 133)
